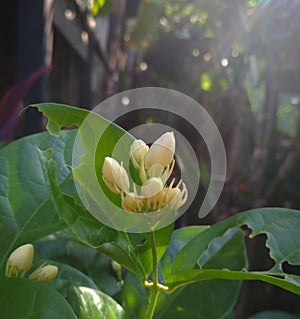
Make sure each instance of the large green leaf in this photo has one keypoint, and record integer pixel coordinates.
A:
(201, 300)
(90, 303)
(28, 299)
(287, 282)
(26, 210)
(279, 224)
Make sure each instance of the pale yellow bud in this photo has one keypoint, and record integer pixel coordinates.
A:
(114, 175)
(131, 203)
(152, 187)
(161, 151)
(176, 197)
(45, 273)
(20, 261)
(138, 149)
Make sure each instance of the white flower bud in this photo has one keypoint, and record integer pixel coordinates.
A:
(114, 175)
(152, 187)
(161, 151)
(45, 273)
(176, 197)
(138, 149)
(131, 203)
(20, 261)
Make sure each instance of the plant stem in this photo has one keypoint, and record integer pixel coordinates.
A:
(154, 289)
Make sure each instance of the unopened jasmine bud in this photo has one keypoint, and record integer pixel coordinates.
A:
(152, 187)
(20, 261)
(45, 273)
(161, 151)
(131, 203)
(116, 266)
(176, 197)
(114, 175)
(118, 270)
(138, 149)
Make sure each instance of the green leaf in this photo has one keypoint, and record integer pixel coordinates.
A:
(90, 303)
(2, 144)
(61, 115)
(62, 248)
(201, 300)
(202, 252)
(179, 239)
(134, 297)
(287, 282)
(27, 299)
(26, 210)
(281, 226)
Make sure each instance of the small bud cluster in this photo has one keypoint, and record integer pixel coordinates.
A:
(20, 262)
(155, 166)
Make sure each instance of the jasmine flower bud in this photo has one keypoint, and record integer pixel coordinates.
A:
(114, 175)
(176, 197)
(45, 273)
(152, 187)
(161, 151)
(20, 261)
(138, 149)
(131, 203)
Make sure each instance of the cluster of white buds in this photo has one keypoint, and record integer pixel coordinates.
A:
(20, 262)
(155, 166)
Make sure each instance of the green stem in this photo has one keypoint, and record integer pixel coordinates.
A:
(154, 289)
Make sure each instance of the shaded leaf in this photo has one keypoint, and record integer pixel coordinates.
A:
(27, 299)
(201, 300)
(26, 210)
